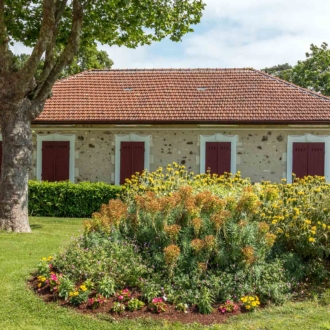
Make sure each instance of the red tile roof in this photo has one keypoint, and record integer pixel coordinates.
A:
(182, 96)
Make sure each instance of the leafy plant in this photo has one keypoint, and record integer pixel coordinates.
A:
(135, 304)
(106, 287)
(181, 307)
(205, 302)
(65, 287)
(150, 290)
(118, 307)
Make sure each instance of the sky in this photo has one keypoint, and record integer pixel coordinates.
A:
(237, 34)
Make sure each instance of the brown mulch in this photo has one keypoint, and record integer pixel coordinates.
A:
(171, 314)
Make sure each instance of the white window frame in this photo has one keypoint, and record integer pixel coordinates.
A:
(306, 139)
(131, 138)
(56, 137)
(218, 138)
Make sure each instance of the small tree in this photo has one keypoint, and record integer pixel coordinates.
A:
(54, 29)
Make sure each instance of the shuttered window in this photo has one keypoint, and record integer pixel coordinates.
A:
(218, 157)
(131, 159)
(55, 160)
(0, 156)
(308, 159)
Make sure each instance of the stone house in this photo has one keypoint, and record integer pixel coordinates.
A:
(103, 125)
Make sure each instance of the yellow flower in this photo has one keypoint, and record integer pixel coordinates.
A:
(311, 239)
(254, 304)
(83, 288)
(247, 306)
(44, 259)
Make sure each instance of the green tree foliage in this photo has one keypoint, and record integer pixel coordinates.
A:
(87, 58)
(312, 73)
(55, 29)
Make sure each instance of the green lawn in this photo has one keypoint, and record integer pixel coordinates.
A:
(22, 309)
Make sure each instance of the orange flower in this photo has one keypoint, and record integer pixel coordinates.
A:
(197, 245)
(172, 253)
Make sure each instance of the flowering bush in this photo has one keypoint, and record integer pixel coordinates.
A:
(157, 305)
(250, 303)
(228, 307)
(200, 239)
(123, 295)
(54, 282)
(78, 296)
(96, 302)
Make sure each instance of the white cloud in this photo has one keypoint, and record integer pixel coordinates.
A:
(241, 33)
(237, 33)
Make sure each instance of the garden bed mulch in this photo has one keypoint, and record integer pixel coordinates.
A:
(171, 314)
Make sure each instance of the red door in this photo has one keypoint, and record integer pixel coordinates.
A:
(218, 157)
(308, 159)
(0, 156)
(300, 158)
(316, 153)
(55, 160)
(131, 159)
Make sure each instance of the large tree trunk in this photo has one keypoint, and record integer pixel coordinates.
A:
(16, 162)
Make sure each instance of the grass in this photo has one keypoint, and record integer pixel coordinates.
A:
(22, 309)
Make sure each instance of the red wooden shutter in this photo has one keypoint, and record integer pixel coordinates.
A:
(300, 159)
(125, 161)
(316, 153)
(218, 157)
(48, 161)
(224, 157)
(131, 159)
(137, 157)
(0, 156)
(62, 160)
(211, 158)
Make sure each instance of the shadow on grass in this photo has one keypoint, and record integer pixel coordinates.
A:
(35, 226)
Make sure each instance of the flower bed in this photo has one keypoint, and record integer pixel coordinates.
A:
(184, 243)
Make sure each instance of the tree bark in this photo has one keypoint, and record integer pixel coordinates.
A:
(16, 162)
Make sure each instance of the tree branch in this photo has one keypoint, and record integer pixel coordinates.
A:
(45, 35)
(50, 50)
(64, 59)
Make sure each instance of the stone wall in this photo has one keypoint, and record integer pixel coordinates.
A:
(261, 152)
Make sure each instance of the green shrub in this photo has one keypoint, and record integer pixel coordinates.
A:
(66, 199)
(105, 262)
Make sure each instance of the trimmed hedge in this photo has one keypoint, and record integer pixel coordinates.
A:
(66, 199)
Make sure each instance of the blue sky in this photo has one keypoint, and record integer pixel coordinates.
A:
(237, 33)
